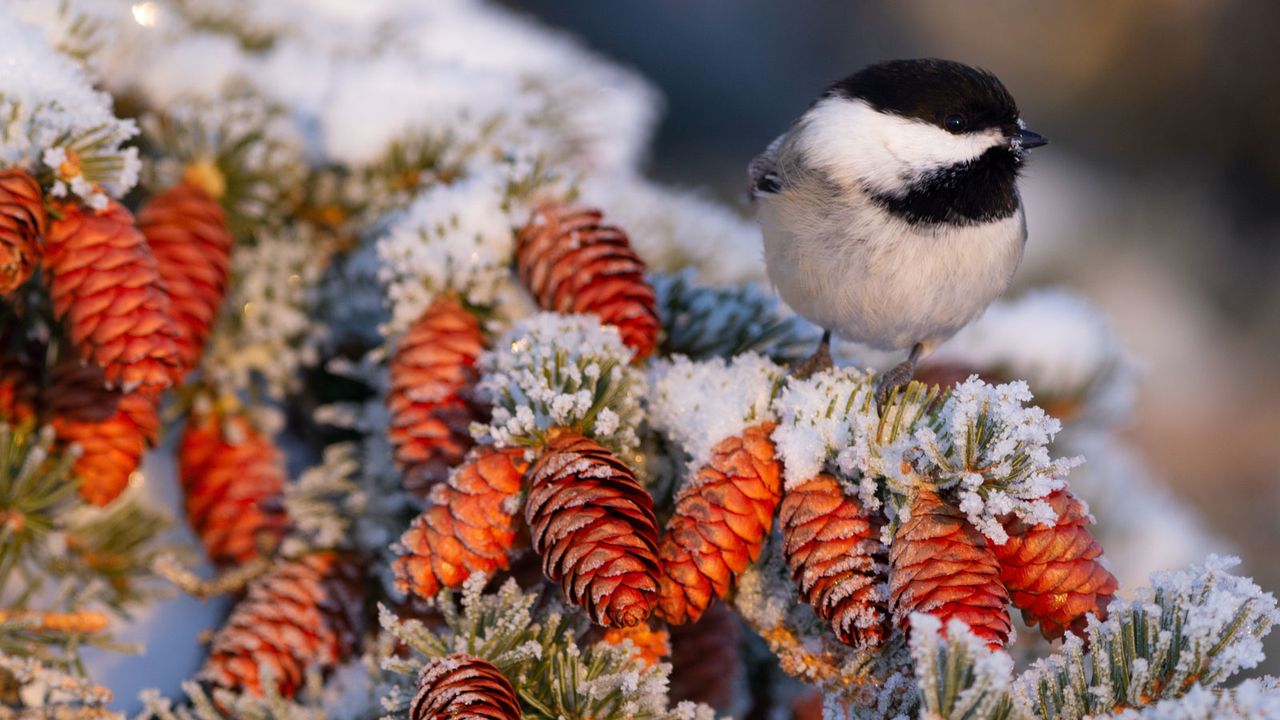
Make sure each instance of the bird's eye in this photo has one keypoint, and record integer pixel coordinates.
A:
(954, 123)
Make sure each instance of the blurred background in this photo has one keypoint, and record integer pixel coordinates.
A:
(1158, 197)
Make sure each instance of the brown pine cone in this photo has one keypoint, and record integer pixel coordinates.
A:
(706, 659)
(106, 286)
(187, 231)
(940, 565)
(469, 527)
(22, 227)
(837, 561)
(1053, 573)
(463, 686)
(233, 477)
(18, 390)
(572, 263)
(593, 525)
(112, 429)
(721, 521)
(301, 613)
(432, 378)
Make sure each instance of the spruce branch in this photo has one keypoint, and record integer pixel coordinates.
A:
(958, 676)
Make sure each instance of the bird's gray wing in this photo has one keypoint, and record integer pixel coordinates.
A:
(762, 173)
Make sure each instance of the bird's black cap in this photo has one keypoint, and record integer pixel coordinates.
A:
(932, 90)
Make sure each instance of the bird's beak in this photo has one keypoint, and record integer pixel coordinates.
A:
(1025, 139)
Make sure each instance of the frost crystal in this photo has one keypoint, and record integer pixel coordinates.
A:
(817, 417)
(958, 677)
(698, 404)
(452, 238)
(561, 371)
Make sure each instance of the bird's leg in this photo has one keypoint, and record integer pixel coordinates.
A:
(818, 362)
(898, 376)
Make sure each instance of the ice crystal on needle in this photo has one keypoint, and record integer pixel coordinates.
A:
(561, 371)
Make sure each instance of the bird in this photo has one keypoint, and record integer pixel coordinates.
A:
(890, 211)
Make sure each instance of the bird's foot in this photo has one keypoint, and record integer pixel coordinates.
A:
(893, 379)
(819, 361)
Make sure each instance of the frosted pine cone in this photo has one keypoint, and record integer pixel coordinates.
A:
(463, 686)
(22, 227)
(706, 659)
(302, 613)
(940, 565)
(593, 525)
(233, 477)
(432, 376)
(106, 286)
(469, 527)
(112, 428)
(572, 263)
(837, 561)
(187, 232)
(1053, 573)
(721, 521)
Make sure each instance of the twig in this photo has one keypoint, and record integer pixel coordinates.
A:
(81, 622)
(231, 581)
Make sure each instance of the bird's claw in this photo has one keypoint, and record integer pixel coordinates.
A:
(819, 361)
(893, 379)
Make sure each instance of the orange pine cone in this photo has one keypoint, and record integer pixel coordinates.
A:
(112, 428)
(572, 263)
(18, 390)
(106, 286)
(940, 565)
(463, 686)
(1053, 573)
(22, 227)
(187, 231)
(302, 613)
(706, 659)
(469, 527)
(432, 376)
(593, 525)
(721, 521)
(837, 561)
(233, 477)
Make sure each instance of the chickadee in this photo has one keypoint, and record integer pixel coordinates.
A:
(890, 209)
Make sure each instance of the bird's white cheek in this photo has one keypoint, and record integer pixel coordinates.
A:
(859, 147)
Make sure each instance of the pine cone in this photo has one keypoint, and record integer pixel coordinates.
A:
(432, 376)
(706, 659)
(593, 525)
(462, 686)
(233, 477)
(22, 227)
(188, 235)
(469, 527)
(721, 521)
(940, 565)
(837, 561)
(574, 264)
(105, 284)
(649, 646)
(1053, 573)
(18, 390)
(301, 613)
(112, 428)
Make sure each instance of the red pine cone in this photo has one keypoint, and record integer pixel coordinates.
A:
(106, 286)
(572, 263)
(1053, 573)
(721, 521)
(301, 613)
(593, 525)
(18, 390)
(837, 561)
(706, 659)
(112, 428)
(469, 526)
(187, 231)
(432, 376)
(940, 565)
(22, 227)
(463, 686)
(233, 477)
